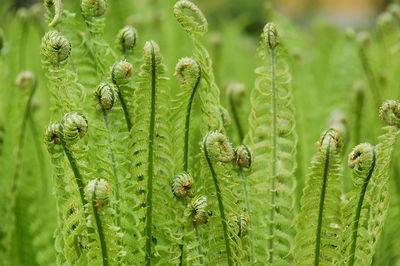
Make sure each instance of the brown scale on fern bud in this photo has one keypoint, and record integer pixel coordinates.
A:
(107, 94)
(74, 126)
(270, 35)
(182, 185)
(121, 72)
(52, 135)
(218, 147)
(197, 209)
(55, 48)
(390, 112)
(244, 156)
(126, 39)
(98, 191)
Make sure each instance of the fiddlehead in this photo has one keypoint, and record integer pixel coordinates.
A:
(55, 48)
(217, 149)
(126, 40)
(362, 159)
(319, 220)
(196, 210)
(195, 24)
(188, 72)
(120, 75)
(244, 156)
(182, 185)
(192, 24)
(390, 113)
(106, 94)
(53, 17)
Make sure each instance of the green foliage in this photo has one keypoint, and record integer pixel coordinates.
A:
(145, 169)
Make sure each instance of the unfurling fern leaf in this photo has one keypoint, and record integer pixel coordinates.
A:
(218, 152)
(319, 221)
(273, 141)
(152, 159)
(355, 211)
(196, 26)
(361, 248)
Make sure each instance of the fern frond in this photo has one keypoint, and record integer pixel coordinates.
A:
(319, 221)
(273, 140)
(377, 196)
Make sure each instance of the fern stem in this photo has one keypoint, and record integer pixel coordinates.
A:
(187, 123)
(125, 109)
(236, 117)
(373, 84)
(274, 155)
(112, 157)
(220, 203)
(149, 203)
(321, 204)
(75, 169)
(246, 198)
(358, 211)
(99, 228)
(196, 233)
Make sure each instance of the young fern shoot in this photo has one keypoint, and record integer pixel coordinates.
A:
(319, 221)
(273, 140)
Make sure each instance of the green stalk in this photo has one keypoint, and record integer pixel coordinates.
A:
(274, 155)
(149, 203)
(321, 206)
(99, 228)
(236, 118)
(125, 109)
(187, 124)
(220, 204)
(358, 212)
(77, 174)
(114, 168)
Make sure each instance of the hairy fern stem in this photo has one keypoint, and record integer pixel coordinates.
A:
(274, 155)
(358, 211)
(322, 202)
(114, 168)
(220, 203)
(149, 203)
(99, 227)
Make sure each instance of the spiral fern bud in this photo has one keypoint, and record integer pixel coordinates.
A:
(270, 35)
(99, 189)
(390, 112)
(121, 72)
(331, 139)
(195, 24)
(126, 39)
(55, 48)
(107, 95)
(361, 156)
(242, 223)
(237, 92)
(26, 79)
(182, 185)
(188, 71)
(244, 156)
(218, 147)
(196, 209)
(52, 135)
(74, 126)
(93, 8)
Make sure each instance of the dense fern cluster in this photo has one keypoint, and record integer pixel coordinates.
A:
(143, 168)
